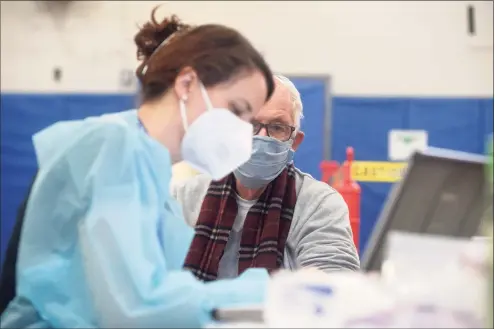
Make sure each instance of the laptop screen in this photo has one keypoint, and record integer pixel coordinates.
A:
(442, 192)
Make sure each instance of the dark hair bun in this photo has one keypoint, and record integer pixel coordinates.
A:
(154, 33)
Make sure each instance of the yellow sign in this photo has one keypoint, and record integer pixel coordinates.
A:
(374, 171)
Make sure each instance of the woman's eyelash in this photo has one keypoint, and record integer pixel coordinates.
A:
(237, 111)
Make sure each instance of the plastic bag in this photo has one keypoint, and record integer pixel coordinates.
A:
(426, 282)
(438, 282)
(308, 299)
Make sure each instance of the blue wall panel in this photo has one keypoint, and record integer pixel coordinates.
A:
(310, 153)
(364, 123)
(487, 118)
(80, 106)
(22, 115)
(451, 123)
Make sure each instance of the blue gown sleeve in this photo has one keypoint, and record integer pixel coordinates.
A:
(130, 281)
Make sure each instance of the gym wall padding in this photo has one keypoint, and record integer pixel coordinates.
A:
(22, 115)
(314, 96)
(364, 123)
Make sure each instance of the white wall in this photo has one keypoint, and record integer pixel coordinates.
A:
(369, 48)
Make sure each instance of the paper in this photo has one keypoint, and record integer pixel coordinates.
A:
(403, 143)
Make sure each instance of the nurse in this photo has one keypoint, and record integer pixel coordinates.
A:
(103, 242)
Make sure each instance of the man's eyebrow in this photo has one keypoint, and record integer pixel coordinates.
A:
(280, 118)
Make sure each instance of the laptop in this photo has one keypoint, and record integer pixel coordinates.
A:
(441, 193)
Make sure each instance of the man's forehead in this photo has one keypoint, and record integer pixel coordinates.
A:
(281, 93)
(279, 102)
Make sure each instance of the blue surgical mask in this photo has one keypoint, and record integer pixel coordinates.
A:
(268, 158)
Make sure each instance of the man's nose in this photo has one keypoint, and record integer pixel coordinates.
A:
(263, 132)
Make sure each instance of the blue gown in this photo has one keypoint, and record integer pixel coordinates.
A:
(103, 241)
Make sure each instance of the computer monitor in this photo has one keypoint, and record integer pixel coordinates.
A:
(442, 193)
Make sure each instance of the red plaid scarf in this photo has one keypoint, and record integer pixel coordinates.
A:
(264, 232)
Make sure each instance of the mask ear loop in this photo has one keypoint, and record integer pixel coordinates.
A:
(182, 105)
(183, 114)
(206, 98)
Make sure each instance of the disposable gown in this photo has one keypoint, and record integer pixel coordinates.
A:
(103, 242)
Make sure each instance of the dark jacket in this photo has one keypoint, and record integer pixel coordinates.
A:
(8, 276)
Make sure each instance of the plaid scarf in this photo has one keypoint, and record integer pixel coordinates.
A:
(264, 233)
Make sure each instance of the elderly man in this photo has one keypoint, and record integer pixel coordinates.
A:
(267, 213)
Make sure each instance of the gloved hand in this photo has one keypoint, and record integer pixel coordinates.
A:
(247, 289)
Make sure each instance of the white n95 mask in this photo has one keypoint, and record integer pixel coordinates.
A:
(217, 142)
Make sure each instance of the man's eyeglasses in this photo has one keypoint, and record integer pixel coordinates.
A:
(278, 131)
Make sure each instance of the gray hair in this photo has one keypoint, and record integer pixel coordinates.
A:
(297, 105)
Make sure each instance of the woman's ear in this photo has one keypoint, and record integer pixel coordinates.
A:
(183, 82)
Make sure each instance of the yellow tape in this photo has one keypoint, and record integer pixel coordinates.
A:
(372, 171)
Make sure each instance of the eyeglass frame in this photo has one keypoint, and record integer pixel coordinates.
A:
(265, 126)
